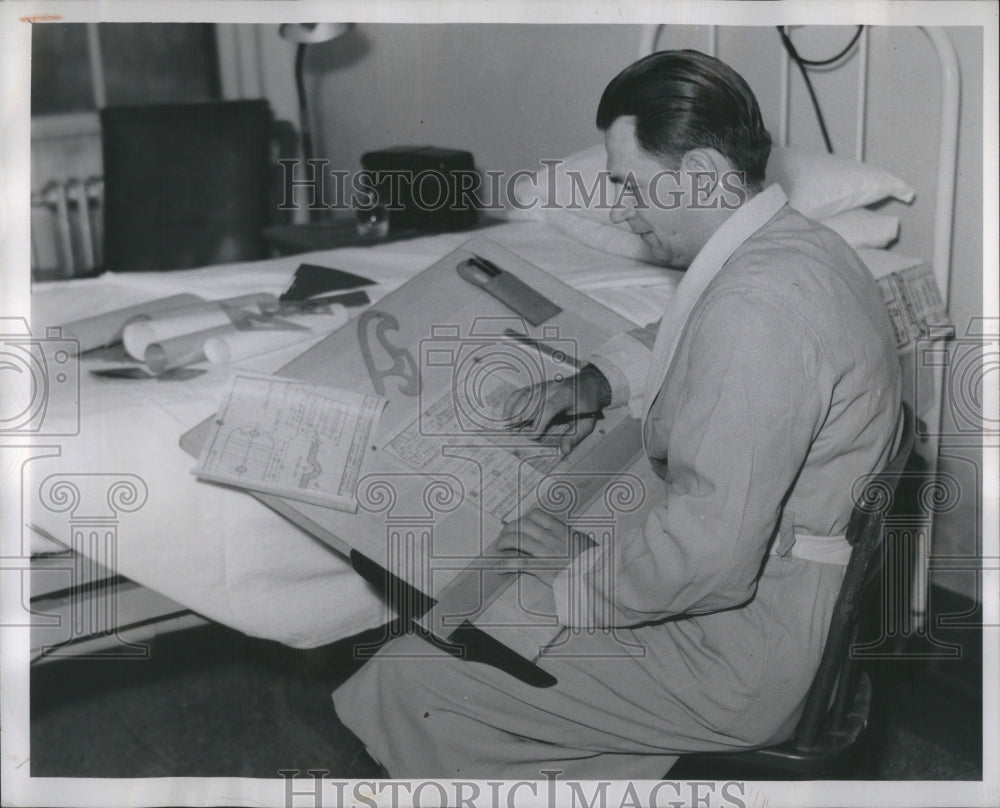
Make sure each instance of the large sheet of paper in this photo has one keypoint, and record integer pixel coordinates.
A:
(443, 473)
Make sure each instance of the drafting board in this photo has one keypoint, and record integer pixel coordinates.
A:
(427, 526)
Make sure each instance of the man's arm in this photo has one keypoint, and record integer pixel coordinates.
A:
(624, 361)
(613, 376)
(739, 436)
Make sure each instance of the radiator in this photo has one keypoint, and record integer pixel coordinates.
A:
(67, 227)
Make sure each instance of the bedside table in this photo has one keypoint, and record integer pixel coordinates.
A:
(341, 231)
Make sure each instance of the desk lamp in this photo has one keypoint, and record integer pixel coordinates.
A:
(305, 34)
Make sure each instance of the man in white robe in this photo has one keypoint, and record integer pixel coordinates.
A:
(772, 386)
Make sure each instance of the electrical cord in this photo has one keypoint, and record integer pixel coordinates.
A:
(802, 63)
(824, 62)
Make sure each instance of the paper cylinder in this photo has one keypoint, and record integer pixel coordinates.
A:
(145, 330)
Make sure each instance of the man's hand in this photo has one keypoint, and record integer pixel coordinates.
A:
(540, 536)
(549, 401)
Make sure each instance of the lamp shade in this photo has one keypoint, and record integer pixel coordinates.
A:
(307, 33)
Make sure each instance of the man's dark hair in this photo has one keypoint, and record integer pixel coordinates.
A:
(685, 100)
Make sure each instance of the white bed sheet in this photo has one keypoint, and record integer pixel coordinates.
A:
(216, 550)
(219, 551)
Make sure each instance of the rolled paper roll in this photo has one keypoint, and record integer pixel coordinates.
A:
(146, 330)
(246, 344)
(187, 349)
(239, 345)
(106, 329)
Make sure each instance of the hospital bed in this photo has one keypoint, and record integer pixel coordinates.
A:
(172, 552)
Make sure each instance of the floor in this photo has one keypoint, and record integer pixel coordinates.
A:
(212, 702)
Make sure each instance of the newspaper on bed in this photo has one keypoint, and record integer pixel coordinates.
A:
(295, 439)
(916, 308)
(919, 322)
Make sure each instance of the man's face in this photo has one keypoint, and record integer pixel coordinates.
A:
(650, 196)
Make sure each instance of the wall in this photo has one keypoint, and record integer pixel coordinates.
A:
(514, 94)
(511, 94)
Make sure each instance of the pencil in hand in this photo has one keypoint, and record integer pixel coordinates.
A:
(561, 418)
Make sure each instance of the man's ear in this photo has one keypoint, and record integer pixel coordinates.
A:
(705, 161)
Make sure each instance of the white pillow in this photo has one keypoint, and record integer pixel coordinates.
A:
(537, 196)
(822, 185)
(575, 194)
(818, 185)
(557, 195)
(864, 228)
